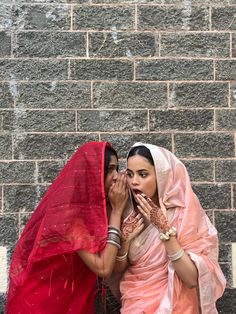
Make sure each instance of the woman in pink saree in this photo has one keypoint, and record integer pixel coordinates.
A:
(172, 264)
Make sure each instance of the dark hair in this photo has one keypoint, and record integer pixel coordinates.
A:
(109, 151)
(141, 151)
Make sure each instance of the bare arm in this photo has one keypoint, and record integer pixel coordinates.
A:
(184, 266)
(103, 263)
(130, 228)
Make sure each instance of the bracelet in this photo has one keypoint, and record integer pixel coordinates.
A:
(113, 228)
(177, 255)
(166, 236)
(114, 243)
(122, 257)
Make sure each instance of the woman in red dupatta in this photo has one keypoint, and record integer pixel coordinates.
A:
(173, 266)
(63, 247)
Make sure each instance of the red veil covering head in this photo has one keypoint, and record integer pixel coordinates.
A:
(46, 273)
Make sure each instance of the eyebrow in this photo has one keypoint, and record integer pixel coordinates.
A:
(137, 170)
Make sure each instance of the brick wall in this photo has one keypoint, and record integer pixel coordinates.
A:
(158, 71)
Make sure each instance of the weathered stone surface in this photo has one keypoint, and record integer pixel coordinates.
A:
(226, 120)
(209, 195)
(226, 225)
(223, 18)
(42, 17)
(102, 70)
(208, 145)
(37, 121)
(48, 170)
(233, 94)
(104, 18)
(33, 70)
(6, 15)
(17, 172)
(168, 69)
(227, 304)
(112, 121)
(6, 96)
(129, 95)
(199, 170)
(179, 120)
(226, 70)
(9, 229)
(199, 95)
(227, 270)
(234, 45)
(172, 18)
(122, 45)
(225, 252)
(5, 147)
(226, 170)
(22, 198)
(5, 47)
(49, 146)
(54, 95)
(50, 44)
(195, 45)
(123, 142)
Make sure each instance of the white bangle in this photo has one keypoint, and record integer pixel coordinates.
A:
(122, 257)
(170, 233)
(177, 255)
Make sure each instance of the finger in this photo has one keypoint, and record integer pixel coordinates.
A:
(143, 202)
(142, 211)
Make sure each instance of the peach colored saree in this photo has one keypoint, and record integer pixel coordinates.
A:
(150, 285)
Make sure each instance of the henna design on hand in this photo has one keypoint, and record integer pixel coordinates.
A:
(157, 217)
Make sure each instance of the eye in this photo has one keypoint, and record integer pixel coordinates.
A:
(129, 174)
(143, 174)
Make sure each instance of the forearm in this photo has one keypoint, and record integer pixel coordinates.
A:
(184, 266)
(103, 263)
(122, 257)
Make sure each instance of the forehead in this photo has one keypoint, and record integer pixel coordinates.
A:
(138, 162)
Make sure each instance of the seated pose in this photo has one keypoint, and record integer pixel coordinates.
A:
(67, 242)
(172, 264)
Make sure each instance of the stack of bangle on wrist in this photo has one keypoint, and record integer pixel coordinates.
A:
(176, 256)
(114, 234)
(121, 258)
(170, 233)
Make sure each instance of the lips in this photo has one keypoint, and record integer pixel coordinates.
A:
(137, 191)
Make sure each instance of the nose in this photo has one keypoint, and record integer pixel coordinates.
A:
(134, 181)
(115, 175)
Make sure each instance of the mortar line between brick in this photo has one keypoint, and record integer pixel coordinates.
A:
(173, 142)
(136, 17)
(210, 20)
(214, 120)
(71, 17)
(148, 120)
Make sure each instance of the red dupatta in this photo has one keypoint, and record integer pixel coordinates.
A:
(46, 273)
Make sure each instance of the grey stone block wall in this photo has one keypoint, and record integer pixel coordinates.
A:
(158, 71)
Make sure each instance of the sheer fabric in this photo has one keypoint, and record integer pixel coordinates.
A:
(46, 274)
(150, 285)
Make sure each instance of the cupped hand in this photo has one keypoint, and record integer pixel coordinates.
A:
(118, 193)
(152, 212)
(131, 226)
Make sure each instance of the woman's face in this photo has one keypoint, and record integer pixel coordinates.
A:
(112, 173)
(141, 177)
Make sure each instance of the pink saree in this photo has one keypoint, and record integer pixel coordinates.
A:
(150, 284)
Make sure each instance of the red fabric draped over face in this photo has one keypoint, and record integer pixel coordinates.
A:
(71, 216)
